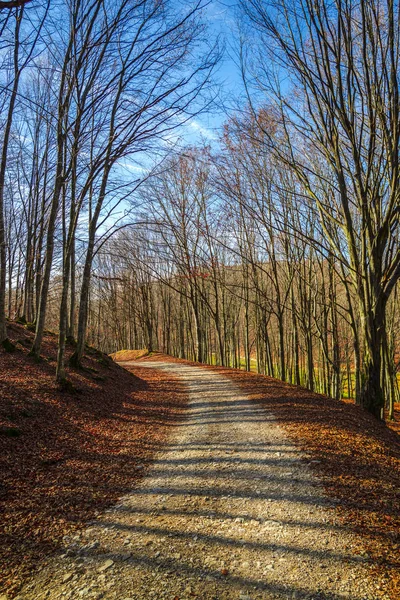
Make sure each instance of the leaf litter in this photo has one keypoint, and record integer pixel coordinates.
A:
(66, 456)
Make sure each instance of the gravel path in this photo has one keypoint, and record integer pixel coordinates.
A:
(229, 510)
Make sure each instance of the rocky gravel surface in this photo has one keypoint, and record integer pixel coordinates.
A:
(229, 510)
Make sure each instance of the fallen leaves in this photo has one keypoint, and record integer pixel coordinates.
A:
(127, 355)
(76, 454)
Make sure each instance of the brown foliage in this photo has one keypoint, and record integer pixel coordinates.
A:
(126, 355)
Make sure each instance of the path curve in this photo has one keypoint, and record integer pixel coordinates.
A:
(229, 510)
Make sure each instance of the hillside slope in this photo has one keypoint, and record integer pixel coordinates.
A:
(66, 456)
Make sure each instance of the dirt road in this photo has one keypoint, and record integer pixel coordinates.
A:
(229, 510)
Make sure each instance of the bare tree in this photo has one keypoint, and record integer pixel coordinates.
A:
(21, 47)
(157, 86)
(339, 106)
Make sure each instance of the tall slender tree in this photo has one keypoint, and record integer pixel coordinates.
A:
(339, 106)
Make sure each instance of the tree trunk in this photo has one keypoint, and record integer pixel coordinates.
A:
(295, 344)
(3, 166)
(63, 321)
(44, 291)
(282, 362)
(76, 358)
(372, 396)
(71, 322)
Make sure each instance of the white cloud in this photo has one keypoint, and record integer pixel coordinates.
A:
(203, 131)
(134, 168)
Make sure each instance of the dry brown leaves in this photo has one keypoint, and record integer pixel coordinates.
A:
(128, 355)
(64, 457)
(77, 453)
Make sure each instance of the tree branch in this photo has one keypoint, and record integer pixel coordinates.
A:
(13, 4)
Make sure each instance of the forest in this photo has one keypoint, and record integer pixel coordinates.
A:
(273, 247)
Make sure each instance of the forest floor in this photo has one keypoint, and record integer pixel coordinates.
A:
(66, 457)
(256, 489)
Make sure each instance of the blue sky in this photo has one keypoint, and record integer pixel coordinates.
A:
(221, 18)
